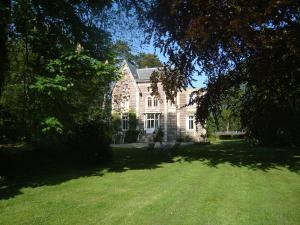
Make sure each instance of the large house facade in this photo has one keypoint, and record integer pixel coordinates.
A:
(132, 92)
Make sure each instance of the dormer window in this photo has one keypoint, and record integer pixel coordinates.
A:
(190, 98)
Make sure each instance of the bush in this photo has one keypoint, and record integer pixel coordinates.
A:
(185, 138)
(90, 140)
(131, 136)
(159, 136)
(231, 136)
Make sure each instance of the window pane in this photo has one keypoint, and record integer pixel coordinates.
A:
(152, 123)
(191, 122)
(149, 102)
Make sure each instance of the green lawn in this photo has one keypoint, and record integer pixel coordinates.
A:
(224, 183)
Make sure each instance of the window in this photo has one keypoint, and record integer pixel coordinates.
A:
(125, 103)
(152, 120)
(149, 102)
(125, 122)
(191, 122)
(190, 98)
(125, 87)
(155, 102)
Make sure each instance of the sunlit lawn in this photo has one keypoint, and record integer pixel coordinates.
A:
(223, 183)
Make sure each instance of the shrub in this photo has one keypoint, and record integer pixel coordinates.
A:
(159, 135)
(90, 140)
(131, 136)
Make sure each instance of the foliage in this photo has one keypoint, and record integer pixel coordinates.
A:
(123, 51)
(144, 60)
(159, 135)
(131, 136)
(184, 138)
(52, 126)
(90, 140)
(116, 122)
(132, 133)
(249, 44)
(77, 84)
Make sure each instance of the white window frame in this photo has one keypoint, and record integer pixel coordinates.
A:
(152, 120)
(189, 119)
(125, 121)
(154, 102)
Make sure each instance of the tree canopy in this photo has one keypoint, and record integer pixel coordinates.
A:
(123, 51)
(59, 67)
(253, 45)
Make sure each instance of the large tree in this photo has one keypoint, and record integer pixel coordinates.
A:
(252, 45)
(144, 60)
(39, 34)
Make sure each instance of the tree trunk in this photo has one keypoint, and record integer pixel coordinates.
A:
(4, 21)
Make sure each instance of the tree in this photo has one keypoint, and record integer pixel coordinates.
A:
(149, 60)
(40, 35)
(254, 44)
(123, 51)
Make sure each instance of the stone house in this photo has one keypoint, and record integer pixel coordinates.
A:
(133, 92)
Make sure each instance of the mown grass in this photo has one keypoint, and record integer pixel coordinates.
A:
(227, 182)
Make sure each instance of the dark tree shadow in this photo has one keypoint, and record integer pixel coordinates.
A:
(52, 172)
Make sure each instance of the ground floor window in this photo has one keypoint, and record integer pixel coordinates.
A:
(152, 120)
(191, 122)
(125, 122)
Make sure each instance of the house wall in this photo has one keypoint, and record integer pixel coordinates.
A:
(119, 92)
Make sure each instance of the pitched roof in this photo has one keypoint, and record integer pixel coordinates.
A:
(144, 74)
(132, 69)
(140, 75)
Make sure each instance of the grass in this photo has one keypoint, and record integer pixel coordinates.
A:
(227, 182)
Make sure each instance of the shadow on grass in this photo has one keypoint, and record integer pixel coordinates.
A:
(235, 153)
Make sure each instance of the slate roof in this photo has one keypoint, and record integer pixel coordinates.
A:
(144, 74)
(133, 70)
(141, 75)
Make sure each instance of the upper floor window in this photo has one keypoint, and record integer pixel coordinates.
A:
(189, 99)
(125, 103)
(152, 102)
(155, 102)
(149, 102)
(125, 87)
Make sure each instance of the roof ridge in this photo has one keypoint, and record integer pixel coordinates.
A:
(147, 68)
